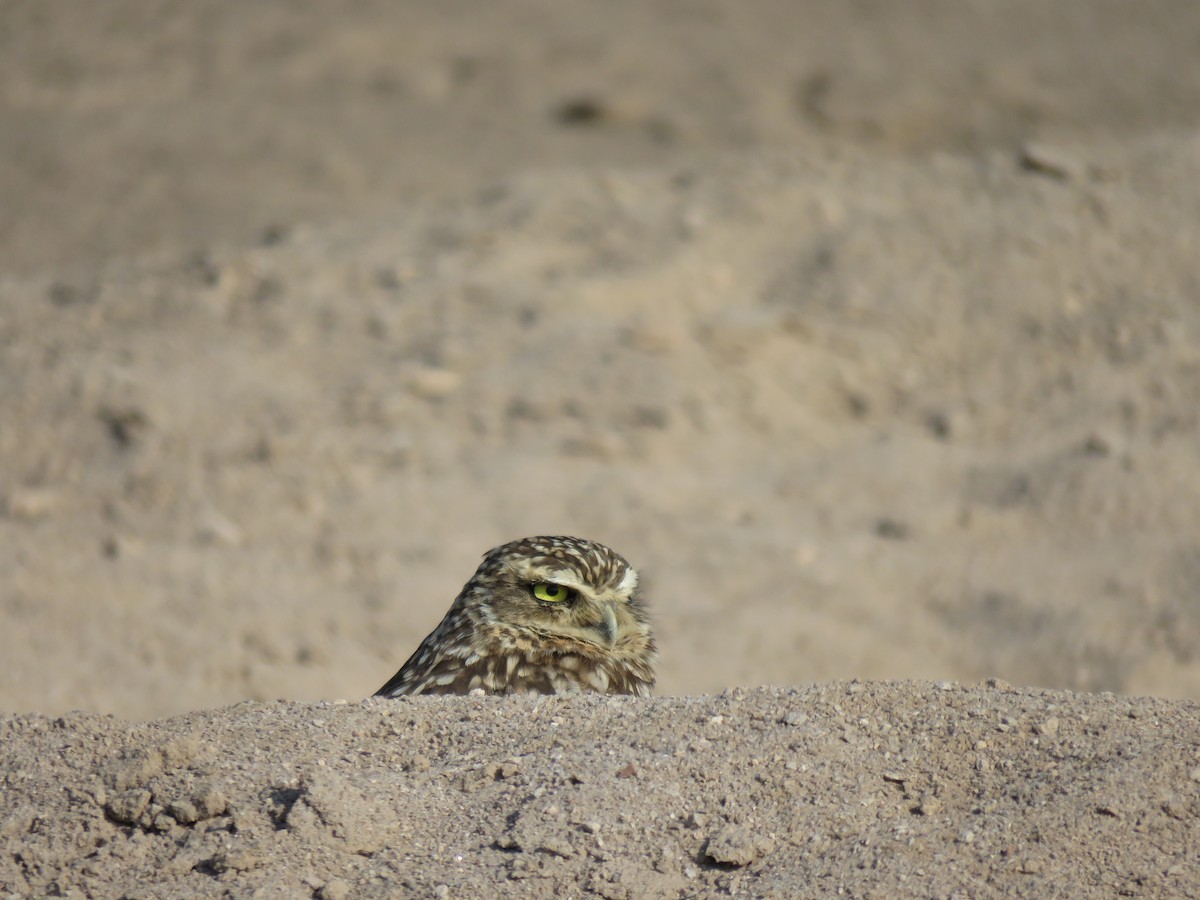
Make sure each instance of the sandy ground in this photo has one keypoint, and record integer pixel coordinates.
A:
(857, 790)
(869, 333)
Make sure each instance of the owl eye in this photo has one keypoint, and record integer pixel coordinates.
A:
(551, 593)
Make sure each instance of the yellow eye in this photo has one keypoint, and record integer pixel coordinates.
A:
(551, 593)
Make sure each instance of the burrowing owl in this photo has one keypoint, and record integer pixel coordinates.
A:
(542, 615)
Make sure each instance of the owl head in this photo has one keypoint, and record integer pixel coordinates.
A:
(546, 615)
(564, 587)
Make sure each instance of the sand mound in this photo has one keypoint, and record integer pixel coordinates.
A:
(932, 790)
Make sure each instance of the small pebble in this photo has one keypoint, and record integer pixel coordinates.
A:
(1052, 163)
(30, 504)
(419, 763)
(891, 529)
(929, 806)
(1175, 808)
(127, 807)
(334, 889)
(1048, 728)
(736, 846)
(183, 811)
(433, 384)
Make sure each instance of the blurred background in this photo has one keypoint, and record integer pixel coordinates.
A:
(868, 332)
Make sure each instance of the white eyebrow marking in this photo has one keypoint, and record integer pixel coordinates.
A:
(629, 582)
(538, 574)
(569, 581)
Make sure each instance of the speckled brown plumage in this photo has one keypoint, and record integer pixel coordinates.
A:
(501, 637)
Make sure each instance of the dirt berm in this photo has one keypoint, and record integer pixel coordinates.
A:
(854, 789)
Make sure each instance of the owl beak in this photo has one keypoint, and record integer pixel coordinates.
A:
(609, 627)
